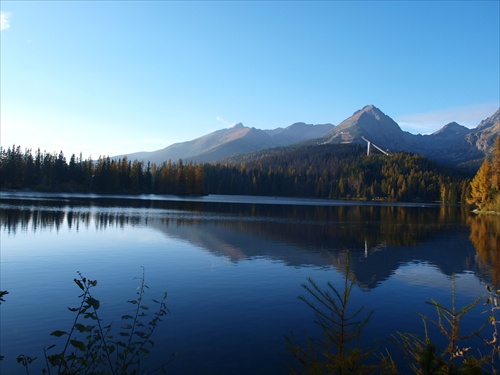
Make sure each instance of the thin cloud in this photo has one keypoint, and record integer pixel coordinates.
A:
(4, 20)
(429, 122)
(222, 120)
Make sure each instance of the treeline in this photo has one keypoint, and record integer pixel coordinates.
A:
(321, 171)
(337, 172)
(52, 172)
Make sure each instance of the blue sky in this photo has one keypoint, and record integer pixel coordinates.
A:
(114, 77)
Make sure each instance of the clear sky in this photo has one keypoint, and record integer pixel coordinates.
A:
(115, 77)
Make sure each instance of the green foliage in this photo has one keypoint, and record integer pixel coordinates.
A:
(91, 348)
(339, 351)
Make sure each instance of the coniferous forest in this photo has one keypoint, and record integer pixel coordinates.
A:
(320, 171)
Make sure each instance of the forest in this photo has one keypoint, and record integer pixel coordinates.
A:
(338, 172)
(319, 171)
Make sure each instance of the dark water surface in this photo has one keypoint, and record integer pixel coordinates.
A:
(233, 268)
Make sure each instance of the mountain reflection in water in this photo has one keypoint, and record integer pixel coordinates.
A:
(379, 237)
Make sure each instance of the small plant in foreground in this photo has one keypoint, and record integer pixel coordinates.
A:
(3, 293)
(494, 319)
(457, 357)
(339, 351)
(91, 348)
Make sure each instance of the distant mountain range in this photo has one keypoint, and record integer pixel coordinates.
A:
(235, 140)
(454, 144)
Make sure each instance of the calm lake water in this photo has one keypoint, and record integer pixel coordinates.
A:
(233, 267)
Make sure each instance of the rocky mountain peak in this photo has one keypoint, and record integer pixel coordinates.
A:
(370, 117)
(370, 110)
(238, 125)
(369, 122)
(490, 121)
(452, 128)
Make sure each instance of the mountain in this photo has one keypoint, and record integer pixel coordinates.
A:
(371, 123)
(235, 140)
(483, 137)
(454, 144)
(298, 132)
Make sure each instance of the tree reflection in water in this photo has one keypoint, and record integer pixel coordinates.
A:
(485, 235)
(380, 237)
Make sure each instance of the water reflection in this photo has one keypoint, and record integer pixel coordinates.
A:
(485, 235)
(380, 238)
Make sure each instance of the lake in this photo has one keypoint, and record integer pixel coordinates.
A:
(233, 269)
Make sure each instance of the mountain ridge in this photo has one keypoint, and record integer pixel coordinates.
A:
(231, 141)
(453, 144)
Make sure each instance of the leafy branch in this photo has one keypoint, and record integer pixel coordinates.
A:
(91, 348)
